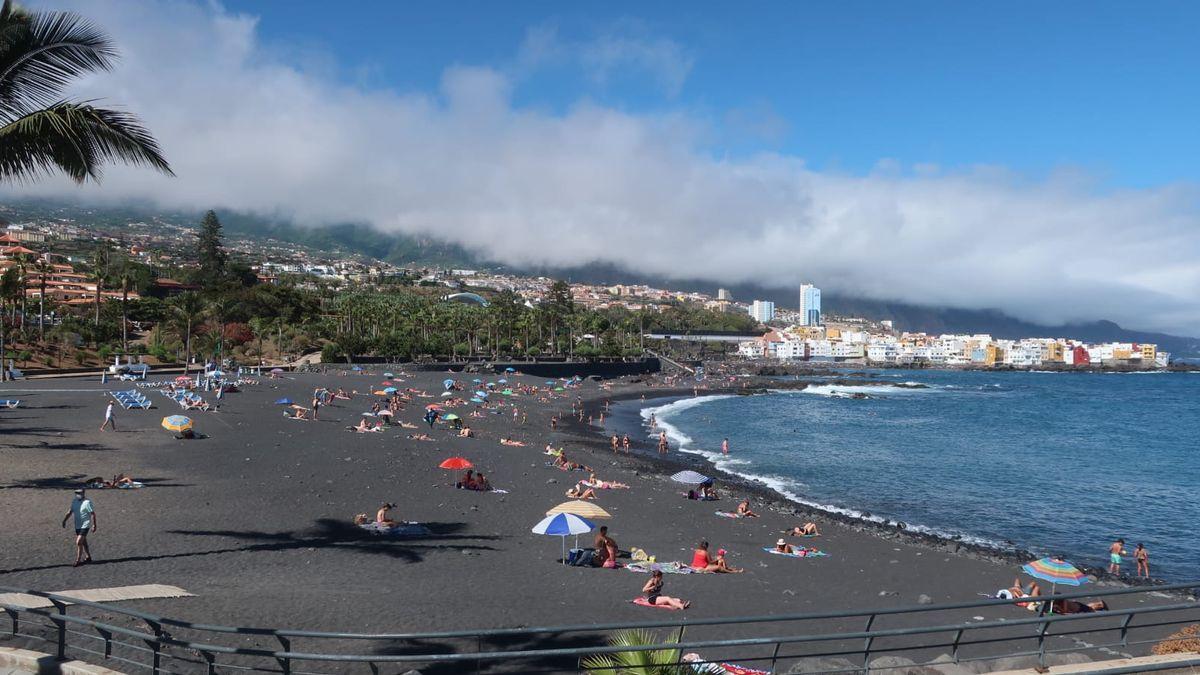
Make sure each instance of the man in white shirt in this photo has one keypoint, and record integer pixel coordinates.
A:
(108, 417)
(84, 514)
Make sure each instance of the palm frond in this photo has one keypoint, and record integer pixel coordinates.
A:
(641, 662)
(76, 139)
(40, 53)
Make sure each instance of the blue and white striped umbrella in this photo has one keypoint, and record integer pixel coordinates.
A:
(562, 525)
(690, 478)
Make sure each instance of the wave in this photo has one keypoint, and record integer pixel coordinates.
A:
(789, 488)
(845, 391)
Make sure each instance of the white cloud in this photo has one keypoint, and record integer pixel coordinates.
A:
(247, 131)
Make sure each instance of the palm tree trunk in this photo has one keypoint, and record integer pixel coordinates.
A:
(124, 315)
(42, 309)
(187, 348)
(99, 284)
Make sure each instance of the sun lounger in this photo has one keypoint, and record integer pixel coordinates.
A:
(728, 514)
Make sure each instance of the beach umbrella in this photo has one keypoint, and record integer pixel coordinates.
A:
(478, 400)
(277, 370)
(477, 380)
(388, 375)
(183, 378)
(283, 401)
(390, 390)
(502, 381)
(369, 414)
(357, 369)
(451, 417)
(561, 525)
(558, 389)
(1056, 571)
(507, 392)
(433, 406)
(580, 508)
(177, 423)
(690, 478)
(380, 392)
(386, 383)
(481, 394)
(510, 369)
(551, 382)
(447, 383)
(447, 394)
(456, 464)
(384, 413)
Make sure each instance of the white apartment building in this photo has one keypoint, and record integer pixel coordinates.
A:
(762, 310)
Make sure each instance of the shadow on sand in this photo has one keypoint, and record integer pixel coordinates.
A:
(326, 534)
(497, 643)
(75, 481)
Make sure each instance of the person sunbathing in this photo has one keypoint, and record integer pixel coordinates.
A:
(552, 452)
(420, 437)
(581, 491)
(653, 591)
(806, 530)
(467, 482)
(1017, 590)
(362, 427)
(509, 441)
(466, 432)
(592, 481)
(408, 425)
(341, 393)
(382, 516)
(743, 510)
(782, 546)
(481, 483)
(1076, 607)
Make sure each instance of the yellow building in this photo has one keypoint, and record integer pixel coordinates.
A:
(1053, 352)
(1122, 354)
(1149, 352)
(994, 355)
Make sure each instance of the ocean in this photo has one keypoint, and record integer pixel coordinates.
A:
(1057, 463)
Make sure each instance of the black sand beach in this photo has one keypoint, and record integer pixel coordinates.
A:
(255, 519)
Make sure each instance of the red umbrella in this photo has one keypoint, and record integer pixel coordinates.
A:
(386, 383)
(433, 406)
(457, 464)
(183, 378)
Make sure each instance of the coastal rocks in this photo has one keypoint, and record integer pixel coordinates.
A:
(824, 665)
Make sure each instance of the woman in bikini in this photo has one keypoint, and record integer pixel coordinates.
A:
(581, 491)
(382, 516)
(743, 510)
(654, 596)
(806, 530)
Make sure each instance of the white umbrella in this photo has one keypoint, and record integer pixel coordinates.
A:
(561, 525)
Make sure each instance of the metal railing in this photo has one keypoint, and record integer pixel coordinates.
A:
(131, 638)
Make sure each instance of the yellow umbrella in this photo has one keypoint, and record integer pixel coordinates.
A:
(580, 508)
(176, 423)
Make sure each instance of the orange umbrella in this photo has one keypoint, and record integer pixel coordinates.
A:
(456, 464)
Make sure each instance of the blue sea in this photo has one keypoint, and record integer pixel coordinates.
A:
(1052, 462)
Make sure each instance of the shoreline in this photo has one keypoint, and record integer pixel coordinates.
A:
(774, 499)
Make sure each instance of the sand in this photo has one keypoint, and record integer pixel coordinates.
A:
(255, 519)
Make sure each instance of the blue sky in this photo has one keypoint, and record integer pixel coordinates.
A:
(1110, 88)
(1037, 158)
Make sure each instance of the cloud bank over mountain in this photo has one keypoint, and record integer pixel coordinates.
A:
(247, 128)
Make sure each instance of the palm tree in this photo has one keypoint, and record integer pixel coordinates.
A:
(187, 308)
(100, 260)
(43, 269)
(40, 131)
(643, 662)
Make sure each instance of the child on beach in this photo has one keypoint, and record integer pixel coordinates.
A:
(1142, 557)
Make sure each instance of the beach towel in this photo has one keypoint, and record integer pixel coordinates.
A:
(402, 530)
(728, 514)
(646, 603)
(646, 567)
(802, 553)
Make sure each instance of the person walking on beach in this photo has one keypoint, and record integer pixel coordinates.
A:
(1115, 551)
(725, 447)
(84, 514)
(1142, 557)
(663, 445)
(615, 443)
(625, 443)
(108, 417)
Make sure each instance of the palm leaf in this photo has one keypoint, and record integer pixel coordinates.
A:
(42, 52)
(77, 139)
(639, 662)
